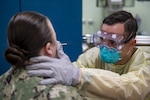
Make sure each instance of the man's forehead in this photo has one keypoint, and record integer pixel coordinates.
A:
(116, 28)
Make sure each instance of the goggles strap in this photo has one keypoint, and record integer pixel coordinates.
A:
(129, 38)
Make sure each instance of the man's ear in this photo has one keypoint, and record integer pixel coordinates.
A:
(48, 49)
(133, 42)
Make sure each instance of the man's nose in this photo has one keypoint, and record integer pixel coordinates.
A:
(107, 42)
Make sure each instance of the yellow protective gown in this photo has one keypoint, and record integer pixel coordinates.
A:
(130, 81)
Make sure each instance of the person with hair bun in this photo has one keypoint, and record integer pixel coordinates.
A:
(31, 34)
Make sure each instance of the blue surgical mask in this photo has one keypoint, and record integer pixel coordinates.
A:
(109, 54)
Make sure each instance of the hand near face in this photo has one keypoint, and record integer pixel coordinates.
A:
(58, 70)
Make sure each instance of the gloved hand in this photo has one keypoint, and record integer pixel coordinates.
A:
(58, 70)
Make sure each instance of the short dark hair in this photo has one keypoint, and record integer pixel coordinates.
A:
(130, 23)
(27, 33)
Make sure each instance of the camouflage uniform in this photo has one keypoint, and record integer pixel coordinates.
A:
(15, 84)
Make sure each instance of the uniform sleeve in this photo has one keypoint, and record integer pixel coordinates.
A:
(134, 85)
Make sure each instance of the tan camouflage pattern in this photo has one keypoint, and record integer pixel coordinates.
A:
(15, 84)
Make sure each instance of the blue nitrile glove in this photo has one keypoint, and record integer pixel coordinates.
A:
(58, 70)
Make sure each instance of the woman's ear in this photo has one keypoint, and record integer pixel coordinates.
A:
(48, 49)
